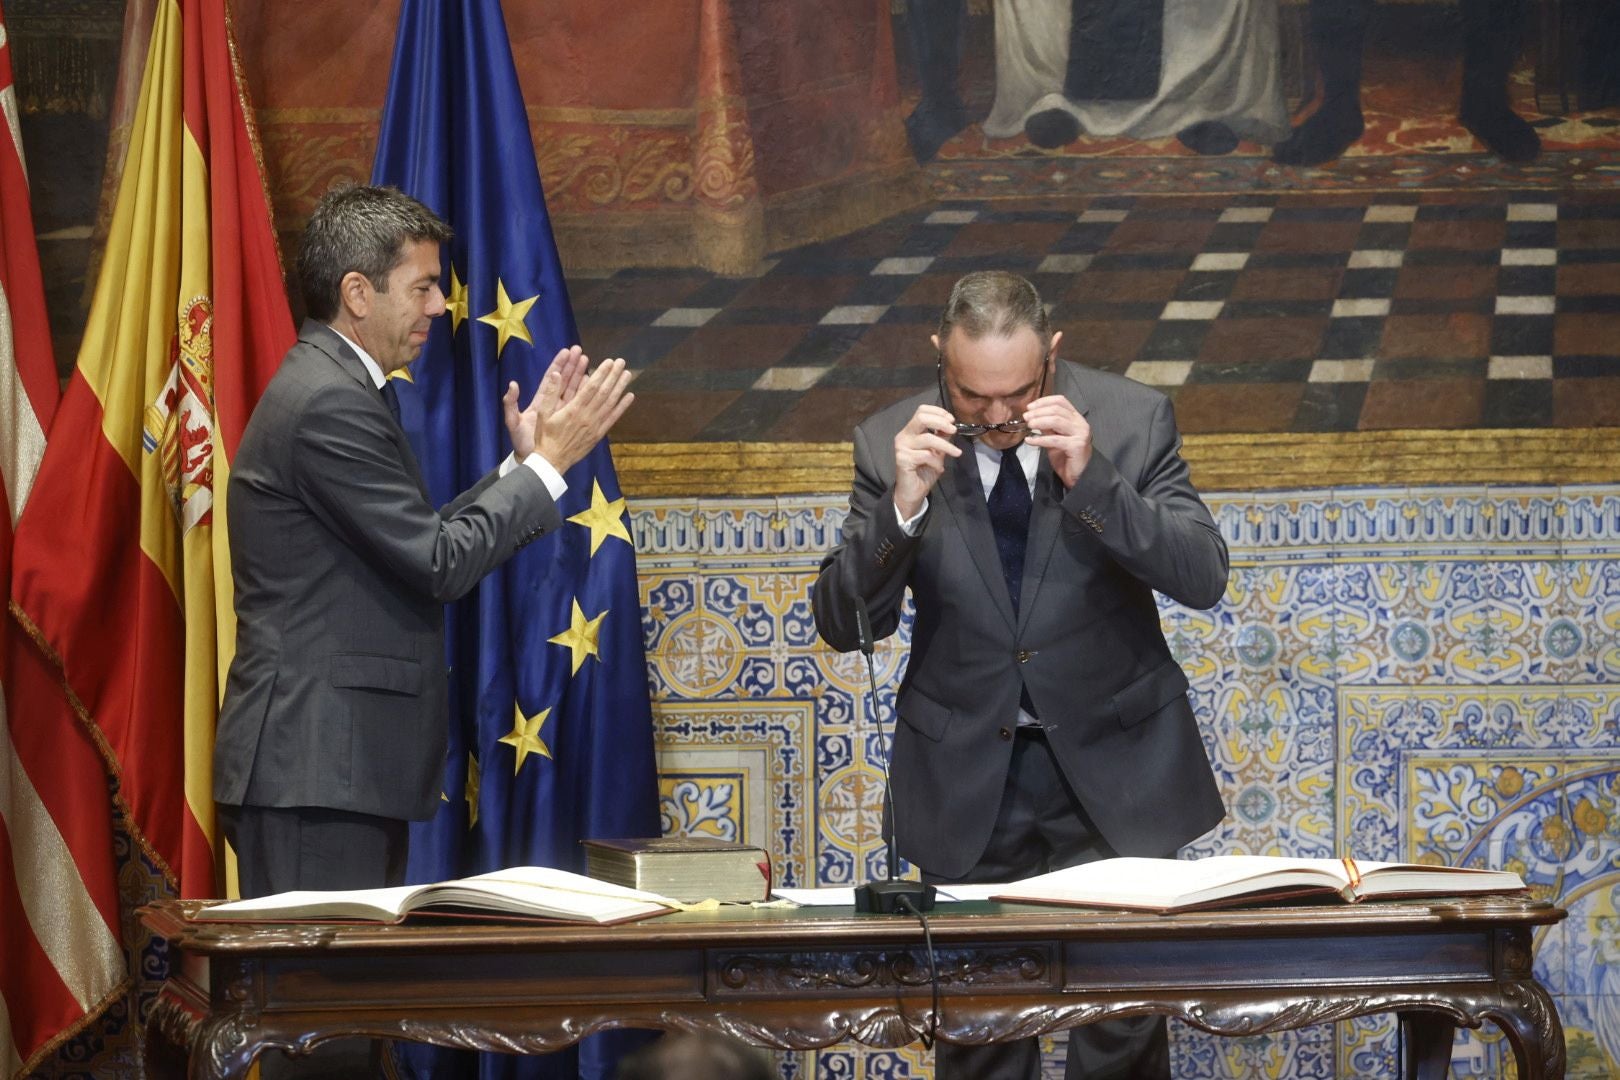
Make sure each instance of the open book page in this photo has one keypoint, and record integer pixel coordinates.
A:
(541, 890)
(523, 890)
(381, 905)
(1168, 884)
(1421, 879)
(1175, 884)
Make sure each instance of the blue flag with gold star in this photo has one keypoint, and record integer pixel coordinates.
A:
(550, 722)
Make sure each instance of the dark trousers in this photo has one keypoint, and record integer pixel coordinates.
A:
(279, 849)
(1041, 826)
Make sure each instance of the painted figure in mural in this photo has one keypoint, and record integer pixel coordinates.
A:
(934, 29)
(332, 734)
(1492, 32)
(1212, 76)
(1206, 72)
(1032, 506)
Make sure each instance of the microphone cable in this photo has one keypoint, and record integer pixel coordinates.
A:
(930, 1032)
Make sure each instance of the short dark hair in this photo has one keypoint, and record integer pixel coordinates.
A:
(364, 229)
(993, 302)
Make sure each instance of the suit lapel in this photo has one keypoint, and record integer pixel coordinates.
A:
(963, 494)
(331, 343)
(1047, 512)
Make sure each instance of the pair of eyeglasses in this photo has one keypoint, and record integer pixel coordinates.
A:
(973, 431)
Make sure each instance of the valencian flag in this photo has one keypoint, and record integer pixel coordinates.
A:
(550, 727)
(122, 573)
(60, 963)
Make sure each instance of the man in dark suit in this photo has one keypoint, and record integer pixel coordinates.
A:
(1032, 506)
(332, 733)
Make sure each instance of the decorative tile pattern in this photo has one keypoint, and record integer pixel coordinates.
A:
(741, 770)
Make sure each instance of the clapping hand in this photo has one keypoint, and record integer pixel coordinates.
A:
(572, 409)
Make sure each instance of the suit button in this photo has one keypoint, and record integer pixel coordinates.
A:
(1024, 655)
(1005, 733)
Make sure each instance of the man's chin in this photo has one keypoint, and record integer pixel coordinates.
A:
(1001, 440)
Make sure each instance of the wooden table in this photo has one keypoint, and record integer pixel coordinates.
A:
(808, 978)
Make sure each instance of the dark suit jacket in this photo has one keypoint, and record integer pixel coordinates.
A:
(1086, 639)
(337, 694)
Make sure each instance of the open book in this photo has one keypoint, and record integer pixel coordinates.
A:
(1223, 880)
(532, 891)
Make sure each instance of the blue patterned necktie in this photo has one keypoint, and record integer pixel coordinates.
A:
(391, 396)
(1009, 519)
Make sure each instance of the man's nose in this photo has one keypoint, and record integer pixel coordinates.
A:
(435, 306)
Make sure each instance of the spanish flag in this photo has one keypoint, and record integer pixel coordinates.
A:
(120, 570)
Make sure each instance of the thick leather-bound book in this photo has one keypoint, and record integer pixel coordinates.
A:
(690, 869)
(537, 892)
(1230, 880)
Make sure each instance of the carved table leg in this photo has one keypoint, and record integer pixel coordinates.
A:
(1426, 1039)
(225, 1050)
(1527, 1016)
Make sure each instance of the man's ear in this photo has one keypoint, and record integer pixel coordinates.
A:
(356, 291)
(935, 339)
(1052, 349)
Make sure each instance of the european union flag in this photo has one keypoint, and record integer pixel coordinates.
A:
(550, 725)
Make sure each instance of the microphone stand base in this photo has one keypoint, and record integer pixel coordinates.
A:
(884, 897)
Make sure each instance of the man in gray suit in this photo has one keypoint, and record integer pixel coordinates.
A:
(332, 734)
(1032, 506)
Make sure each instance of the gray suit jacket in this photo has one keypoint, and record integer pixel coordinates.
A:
(1085, 641)
(337, 694)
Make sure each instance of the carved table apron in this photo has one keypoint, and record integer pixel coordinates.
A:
(804, 978)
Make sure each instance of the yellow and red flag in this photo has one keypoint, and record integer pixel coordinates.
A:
(61, 965)
(121, 573)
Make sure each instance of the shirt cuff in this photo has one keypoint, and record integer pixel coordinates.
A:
(913, 525)
(548, 475)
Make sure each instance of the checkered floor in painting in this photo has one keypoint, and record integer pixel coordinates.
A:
(1258, 312)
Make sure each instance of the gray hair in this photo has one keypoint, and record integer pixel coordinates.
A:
(993, 302)
(361, 229)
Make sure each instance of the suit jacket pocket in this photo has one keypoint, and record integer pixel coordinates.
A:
(1150, 693)
(367, 671)
(923, 714)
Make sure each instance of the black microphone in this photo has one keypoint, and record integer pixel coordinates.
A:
(863, 634)
(891, 896)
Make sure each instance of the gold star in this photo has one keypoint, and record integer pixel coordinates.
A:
(507, 318)
(580, 637)
(402, 374)
(456, 303)
(604, 518)
(525, 736)
(472, 791)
